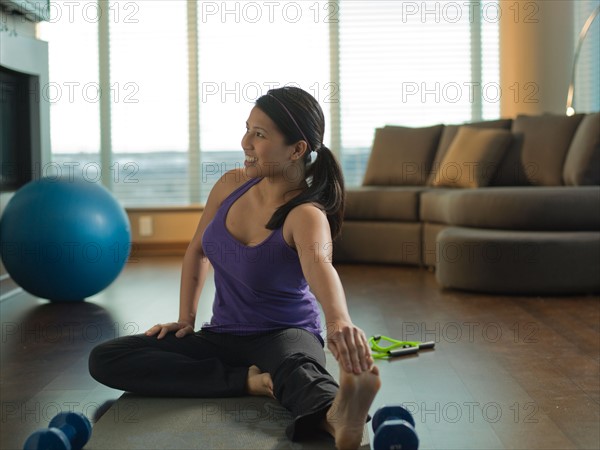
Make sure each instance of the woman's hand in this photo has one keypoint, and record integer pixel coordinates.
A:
(180, 329)
(349, 346)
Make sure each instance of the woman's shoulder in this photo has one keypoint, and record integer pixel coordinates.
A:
(309, 208)
(306, 214)
(229, 182)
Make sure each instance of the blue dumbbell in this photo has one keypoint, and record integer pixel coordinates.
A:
(66, 431)
(394, 429)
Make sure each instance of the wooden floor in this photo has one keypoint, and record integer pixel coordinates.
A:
(507, 372)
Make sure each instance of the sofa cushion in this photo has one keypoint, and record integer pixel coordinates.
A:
(546, 141)
(450, 131)
(472, 158)
(402, 156)
(379, 242)
(511, 171)
(515, 208)
(383, 203)
(582, 166)
(518, 262)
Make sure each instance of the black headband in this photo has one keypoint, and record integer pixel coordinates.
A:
(293, 120)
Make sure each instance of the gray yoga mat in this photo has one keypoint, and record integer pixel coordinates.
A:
(135, 422)
(146, 423)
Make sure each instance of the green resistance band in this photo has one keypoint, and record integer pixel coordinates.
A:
(394, 347)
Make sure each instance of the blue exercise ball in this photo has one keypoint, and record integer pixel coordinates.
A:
(64, 239)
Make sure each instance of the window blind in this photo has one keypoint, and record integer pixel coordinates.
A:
(410, 64)
(246, 48)
(73, 90)
(148, 69)
(403, 63)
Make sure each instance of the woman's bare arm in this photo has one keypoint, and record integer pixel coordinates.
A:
(312, 239)
(195, 265)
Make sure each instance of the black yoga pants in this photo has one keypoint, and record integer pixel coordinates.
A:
(208, 364)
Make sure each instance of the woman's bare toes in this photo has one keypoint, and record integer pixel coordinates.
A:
(259, 383)
(348, 413)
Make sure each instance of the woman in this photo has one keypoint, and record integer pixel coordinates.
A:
(267, 229)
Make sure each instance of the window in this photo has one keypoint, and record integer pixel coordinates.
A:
(73, 90)
(587, 73)
(245, 48)
(369, 63)
(413, 64)
(149, 104)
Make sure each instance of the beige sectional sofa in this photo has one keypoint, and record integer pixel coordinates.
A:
(509, 206)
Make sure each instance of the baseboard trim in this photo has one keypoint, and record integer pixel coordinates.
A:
(141, 249)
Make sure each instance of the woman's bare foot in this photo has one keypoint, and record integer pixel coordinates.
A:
(346, 418)
(259, 383)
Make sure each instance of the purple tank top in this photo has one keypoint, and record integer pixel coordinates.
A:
(258, 288)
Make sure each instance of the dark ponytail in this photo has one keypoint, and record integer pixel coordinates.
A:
(299, 117)
(325, 187)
